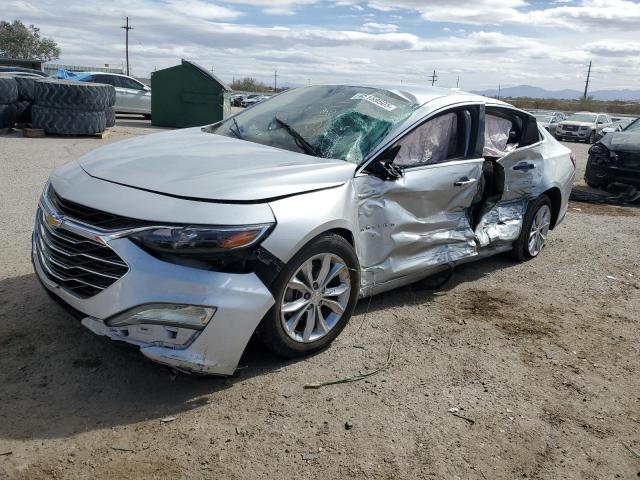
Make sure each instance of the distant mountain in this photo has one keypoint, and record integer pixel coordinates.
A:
(537, 92)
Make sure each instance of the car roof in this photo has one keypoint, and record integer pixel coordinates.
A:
(109, 73)
(422, 94)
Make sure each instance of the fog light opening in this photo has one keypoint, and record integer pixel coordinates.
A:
(166, 314)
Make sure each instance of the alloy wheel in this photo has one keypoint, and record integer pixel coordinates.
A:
(539, 230)
(315, 298)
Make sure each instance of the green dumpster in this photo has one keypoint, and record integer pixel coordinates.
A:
(187, 95)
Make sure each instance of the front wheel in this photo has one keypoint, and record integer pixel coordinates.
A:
(592, 137)
(315, 296)
(535, 228)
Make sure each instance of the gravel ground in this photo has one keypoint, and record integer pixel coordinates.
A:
(540, 359)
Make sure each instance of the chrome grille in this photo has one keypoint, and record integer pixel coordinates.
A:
(90, 216)
(82, 266)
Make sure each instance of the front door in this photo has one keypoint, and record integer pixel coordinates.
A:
(421, 220)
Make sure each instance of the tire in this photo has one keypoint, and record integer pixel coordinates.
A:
(74, 95)
(592, 178)
(7, 115)
(26, 87)
(8, 90)
(147, 116)
(110, 117)
(23, 111)
(521, 250)
(592, 137)
(272, 332)
(65, 121)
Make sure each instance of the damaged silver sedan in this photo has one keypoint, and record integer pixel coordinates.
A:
(276, 220)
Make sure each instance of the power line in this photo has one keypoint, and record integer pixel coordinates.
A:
(586, 84)
(433, 78)
(126, 40)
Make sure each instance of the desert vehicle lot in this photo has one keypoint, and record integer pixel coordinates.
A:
(508, 371)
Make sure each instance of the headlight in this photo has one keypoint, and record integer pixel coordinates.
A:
(559, 126)
(598, 149)
(193, 240)
(168, 314)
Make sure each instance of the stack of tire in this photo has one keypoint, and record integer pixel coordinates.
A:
(25, 98)
(8, 97)
(72, 108)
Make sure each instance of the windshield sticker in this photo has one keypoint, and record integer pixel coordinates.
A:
(375, 100)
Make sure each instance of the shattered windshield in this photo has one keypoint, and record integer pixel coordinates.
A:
(582, 117)
(340, 122)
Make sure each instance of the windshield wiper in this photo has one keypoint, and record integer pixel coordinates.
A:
(235, 131)
(299, 139)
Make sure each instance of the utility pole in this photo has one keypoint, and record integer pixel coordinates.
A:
(586, 84)
(433, 78)
(499, 87)
(126, 40)
(458, 82)
(275, 81)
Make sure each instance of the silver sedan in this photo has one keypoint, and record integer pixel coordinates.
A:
(132, 96)
(277, 220)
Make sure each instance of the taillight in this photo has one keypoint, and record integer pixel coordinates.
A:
(573, 159)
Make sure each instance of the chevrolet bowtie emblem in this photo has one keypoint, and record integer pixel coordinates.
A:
(53, 220)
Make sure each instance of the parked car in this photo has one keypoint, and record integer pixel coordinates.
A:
(132, 96)
(277, 219)
(619, 124)
(585, 126)
(25, 72)
(236, 100)
(615, 158)
(251, 100)
(549, 120)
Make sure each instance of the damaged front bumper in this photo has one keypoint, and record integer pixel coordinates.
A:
(240, 301)
(605, 166)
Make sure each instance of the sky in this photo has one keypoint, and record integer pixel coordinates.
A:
(479, 43)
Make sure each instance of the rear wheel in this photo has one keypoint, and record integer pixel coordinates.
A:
(315, 296)
(535, 228)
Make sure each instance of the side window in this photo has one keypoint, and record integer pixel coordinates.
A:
(506, 130)
(108, 79)
(439, 139)
(125, 82)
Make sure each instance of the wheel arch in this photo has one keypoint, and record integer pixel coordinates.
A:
(555, 196)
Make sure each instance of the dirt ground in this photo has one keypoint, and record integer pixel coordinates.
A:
(540, 359)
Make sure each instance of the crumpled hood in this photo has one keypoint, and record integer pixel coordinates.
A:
(622, 141)
(195, 164)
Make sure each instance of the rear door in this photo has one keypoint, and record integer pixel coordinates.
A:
(110, 80)
(512, 139)
(421, 220)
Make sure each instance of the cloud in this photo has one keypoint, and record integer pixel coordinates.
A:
(235, 38)
(609, 14)
(612, 48)
(379, 27)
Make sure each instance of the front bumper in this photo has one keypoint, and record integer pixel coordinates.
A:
(578, 134)
(241, 301)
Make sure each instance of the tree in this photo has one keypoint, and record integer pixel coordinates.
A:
(249, 85)
(24, 42)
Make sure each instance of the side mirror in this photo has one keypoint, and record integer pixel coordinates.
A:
(383, 166)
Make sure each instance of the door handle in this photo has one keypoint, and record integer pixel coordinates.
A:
(463, 181)
(524, 166)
